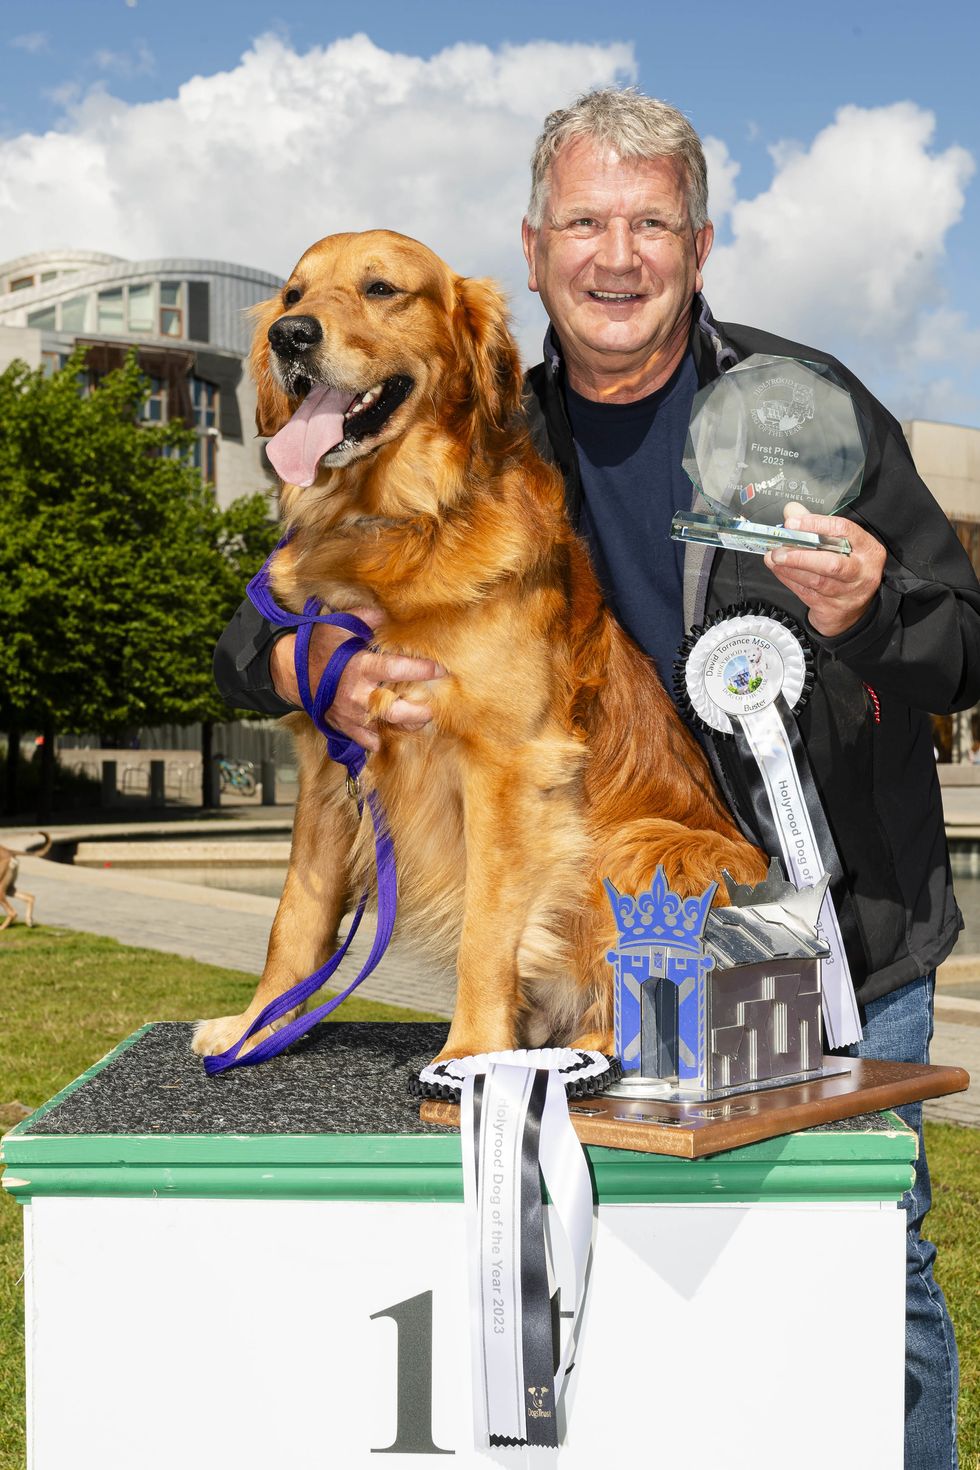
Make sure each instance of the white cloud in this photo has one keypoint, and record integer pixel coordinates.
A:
(137, 62)
(845, 248)
(65, 94)
(722, 173)
(31, 41)
(256, 163)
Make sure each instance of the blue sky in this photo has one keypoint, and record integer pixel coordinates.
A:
(809, 242)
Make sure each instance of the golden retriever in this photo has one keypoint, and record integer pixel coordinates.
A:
(554, 758)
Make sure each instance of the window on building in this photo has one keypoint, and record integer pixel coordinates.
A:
(140, 308)
(204, 397)
(73, 314)
(199, 311)
(111, 311)
(48, 276)
(44, 318)
(21, 283)
(171, 313)
(154, 409)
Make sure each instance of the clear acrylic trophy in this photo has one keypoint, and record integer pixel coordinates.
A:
(770, 430)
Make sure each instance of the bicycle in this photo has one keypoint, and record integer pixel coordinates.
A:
(237, 776)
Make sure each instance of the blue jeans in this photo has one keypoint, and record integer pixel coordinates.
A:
(898, 1028)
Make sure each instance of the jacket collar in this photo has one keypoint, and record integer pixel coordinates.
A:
(712, 354)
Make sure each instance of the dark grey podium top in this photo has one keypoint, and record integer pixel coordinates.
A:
(346, 1077)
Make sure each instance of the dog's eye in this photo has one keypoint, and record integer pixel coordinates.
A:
(380, 288)
(291, 297)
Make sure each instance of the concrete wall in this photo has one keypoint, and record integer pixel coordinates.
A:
(20, 342)
(947, 457)
(242, 467)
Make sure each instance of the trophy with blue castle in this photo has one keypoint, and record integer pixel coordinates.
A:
(712, 1001)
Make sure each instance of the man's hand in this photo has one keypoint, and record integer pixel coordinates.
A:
(837, 590)
(364, 673)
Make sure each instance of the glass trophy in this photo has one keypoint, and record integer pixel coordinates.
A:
(770, 430)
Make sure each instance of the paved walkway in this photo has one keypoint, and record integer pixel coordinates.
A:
(216, 925)
(228, 928)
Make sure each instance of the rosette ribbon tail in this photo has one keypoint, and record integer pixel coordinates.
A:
(743, 674)
(527, 1265)
(791, 820)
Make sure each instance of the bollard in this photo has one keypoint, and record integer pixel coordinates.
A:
(268, 783)
(211, 783)
(158, 783)
(107, 795)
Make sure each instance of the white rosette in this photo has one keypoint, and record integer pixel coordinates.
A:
(743, 675)
(739, 666)
(582, 1073)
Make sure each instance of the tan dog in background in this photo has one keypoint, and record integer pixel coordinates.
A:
(9, 867)
(554, 757)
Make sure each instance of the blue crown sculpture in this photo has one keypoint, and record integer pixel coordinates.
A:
(660, 916)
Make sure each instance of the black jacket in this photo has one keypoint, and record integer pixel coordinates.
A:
(866, 725)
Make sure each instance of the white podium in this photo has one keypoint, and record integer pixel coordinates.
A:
(203, 1291)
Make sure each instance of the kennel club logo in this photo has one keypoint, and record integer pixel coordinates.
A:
(748, 493)
(782, 406)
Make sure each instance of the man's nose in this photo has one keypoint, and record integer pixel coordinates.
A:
(291, 336)
(616, 247)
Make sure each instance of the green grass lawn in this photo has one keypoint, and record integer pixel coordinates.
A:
(67, 998)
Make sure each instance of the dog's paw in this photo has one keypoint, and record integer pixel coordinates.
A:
(211, 1038)
(474, 1044)
(595, 1041)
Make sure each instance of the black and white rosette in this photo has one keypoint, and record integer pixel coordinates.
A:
(527, 1265)
(743, 674)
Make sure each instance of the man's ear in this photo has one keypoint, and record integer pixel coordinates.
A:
(272, 407)
(487, 350)
(703, 241)
(529, 239)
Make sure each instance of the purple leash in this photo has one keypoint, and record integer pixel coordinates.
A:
(347, 753)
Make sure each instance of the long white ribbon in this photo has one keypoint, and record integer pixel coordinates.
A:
(769, 742)
(510, 1137)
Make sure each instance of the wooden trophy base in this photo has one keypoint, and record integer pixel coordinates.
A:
(690, 1130)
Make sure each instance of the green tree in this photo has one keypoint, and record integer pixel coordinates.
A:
(117, 569)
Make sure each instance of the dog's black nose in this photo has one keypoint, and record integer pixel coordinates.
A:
(291, 336)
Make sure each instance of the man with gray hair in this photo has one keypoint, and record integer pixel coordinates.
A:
(616, 238)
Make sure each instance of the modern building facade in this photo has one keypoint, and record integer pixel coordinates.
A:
(947, 457)
(188, 321)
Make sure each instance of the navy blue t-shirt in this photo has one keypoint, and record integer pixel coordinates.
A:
(630, 457)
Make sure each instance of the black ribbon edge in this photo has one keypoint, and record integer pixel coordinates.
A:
(756, 609)
(451, 1091)
(537, 1341)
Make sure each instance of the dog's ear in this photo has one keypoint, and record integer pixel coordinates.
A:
(487, 350)
(271, 403)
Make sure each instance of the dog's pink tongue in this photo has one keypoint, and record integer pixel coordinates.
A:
(316, 426)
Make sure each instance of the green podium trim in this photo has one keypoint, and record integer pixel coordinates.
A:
(817, 1165)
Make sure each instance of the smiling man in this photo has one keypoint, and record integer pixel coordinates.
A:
(616, 237)
(617, 258)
